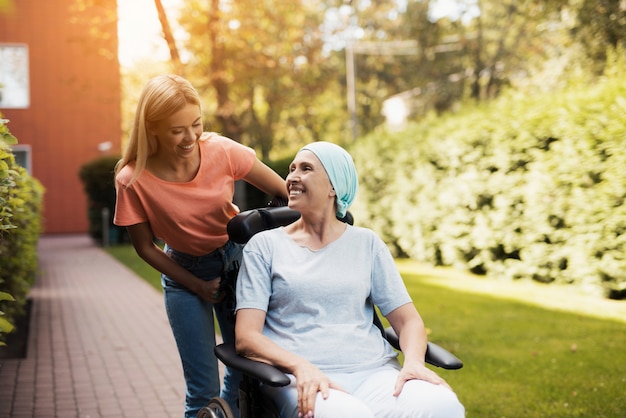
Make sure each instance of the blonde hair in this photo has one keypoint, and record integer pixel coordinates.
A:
(161, 97)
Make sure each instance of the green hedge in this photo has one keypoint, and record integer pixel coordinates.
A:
(98, 181)
(20, 225)
(524, 187)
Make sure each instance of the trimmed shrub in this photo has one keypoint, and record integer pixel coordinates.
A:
(98, 180)
(523, 187)
(20, 225)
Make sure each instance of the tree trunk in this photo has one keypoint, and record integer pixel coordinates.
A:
(225, 108)
(169, 38)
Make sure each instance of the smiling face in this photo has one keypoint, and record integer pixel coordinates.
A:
(308, 184)
(178, 134)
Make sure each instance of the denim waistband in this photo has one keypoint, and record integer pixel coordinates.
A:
(208, 266)
(194, 259)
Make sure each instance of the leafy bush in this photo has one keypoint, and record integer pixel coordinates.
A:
(99, 183)
(524, 187)
(20, 225)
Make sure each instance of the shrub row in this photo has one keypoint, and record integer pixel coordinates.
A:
(523, 187)
(20, 225)
(98, 181)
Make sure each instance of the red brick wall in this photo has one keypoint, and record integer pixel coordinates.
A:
(74, 96)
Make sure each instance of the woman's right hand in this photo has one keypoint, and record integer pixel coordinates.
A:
(309, 381)
(141, 236)
(251, 343)
(209, 290)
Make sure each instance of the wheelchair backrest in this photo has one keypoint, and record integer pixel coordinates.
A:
(245, 224)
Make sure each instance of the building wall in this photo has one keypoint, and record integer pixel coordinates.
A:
(74, 110)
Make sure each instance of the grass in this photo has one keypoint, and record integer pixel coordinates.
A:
(529, 350)
(126, 255)
(527, 353)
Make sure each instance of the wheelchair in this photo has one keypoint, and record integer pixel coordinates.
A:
(252, 402)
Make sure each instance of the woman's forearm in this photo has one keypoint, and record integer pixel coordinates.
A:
(409, 326)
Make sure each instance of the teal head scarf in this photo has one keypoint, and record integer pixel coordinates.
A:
(341, 172)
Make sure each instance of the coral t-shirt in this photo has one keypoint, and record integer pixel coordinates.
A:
(190, 217)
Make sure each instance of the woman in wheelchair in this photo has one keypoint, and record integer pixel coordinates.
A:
(305, 301)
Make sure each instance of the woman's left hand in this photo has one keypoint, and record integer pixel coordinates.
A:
(417, 370)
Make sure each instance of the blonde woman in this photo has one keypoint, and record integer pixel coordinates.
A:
(176, 183)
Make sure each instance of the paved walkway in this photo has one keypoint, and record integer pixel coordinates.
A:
(99, 342)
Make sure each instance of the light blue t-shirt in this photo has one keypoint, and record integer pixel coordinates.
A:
(320, 303)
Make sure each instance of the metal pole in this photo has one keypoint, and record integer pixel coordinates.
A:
(105, 227)
(351, 87)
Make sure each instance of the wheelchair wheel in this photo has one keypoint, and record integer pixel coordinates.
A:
(217, 408)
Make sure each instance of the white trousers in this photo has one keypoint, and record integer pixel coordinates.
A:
(371, 396)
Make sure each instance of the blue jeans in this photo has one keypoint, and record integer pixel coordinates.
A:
(191, 319)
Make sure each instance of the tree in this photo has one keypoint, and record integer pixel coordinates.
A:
(7, 6)
(264, 63)
(602, 25)
(273, 74)
(169, 38)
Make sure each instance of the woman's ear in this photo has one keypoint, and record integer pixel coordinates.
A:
(150, 129)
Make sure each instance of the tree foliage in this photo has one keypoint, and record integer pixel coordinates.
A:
(262, 63)
(601, 24)
(273, 74)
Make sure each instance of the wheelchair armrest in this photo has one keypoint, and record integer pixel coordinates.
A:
(435, 354)
(264, 372)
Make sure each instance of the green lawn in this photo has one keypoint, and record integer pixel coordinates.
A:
(529, 351)
(127, 255)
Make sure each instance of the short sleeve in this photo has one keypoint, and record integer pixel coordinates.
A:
(128, 207)
(254, 287)
(388, 289)
(240, 157)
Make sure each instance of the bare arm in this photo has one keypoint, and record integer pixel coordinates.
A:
(409, 326)
(264, 178)
(250, 342)
(142, 238)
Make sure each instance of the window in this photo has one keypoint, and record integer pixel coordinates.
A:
(14, 77)
(22, 155)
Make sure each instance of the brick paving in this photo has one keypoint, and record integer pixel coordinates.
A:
(99, 342)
